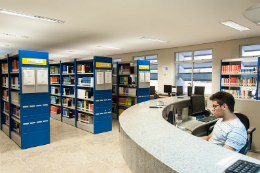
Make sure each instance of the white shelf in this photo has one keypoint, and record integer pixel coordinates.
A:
(16, 104)
(54, 74)
(68, 85)
(85, 126)
(16, 138)
(4, 86)
(70, 121)
(55, 94)
(126, 95)
(84, 73)
(69, 107)
(7, 114)
(126, 74)
(245, 99)
(88, 99)
(5, 100)
(68, 74)
(70, 96)
(15, 88)
(85, 112)
(239, 74)
(85, 86)
(238, 86)
(4, 73)
(55, 104)
(56, 116)
(16, 119)
(55, 84)
(14, 72)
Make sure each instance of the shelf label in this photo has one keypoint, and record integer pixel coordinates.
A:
(25, 123)
(103, 65)
(34, 61)
(25, 106)
(39, 121)
(32, 122)
(144, 67)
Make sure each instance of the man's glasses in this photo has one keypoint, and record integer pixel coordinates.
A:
(214, 106)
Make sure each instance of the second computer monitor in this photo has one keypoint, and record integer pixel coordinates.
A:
(179, 90)
(168, 89)
(197, 104)
(152, 90)
(199, 90)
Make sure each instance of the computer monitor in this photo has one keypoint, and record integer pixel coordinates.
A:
(168, 89)
(189, 91)
(179, 90)
(152, 90)
(199, 90)
(197, 104)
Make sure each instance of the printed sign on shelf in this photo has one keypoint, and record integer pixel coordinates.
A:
(103, 65)
(144, 67)
(34, 61)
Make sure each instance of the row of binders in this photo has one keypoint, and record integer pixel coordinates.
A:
(55, 90)
(55, 100)
(84, 68)
(236, 81)
(67, 113)
(127, 91)
(70, 80)
(4, 67)
(67, 69)
(15, 83)
(16, 112)
(237, 69)
(126, 101)
(55, 110)
(55, 80)
(15, 66)
(85, 106)
(85, 81)
(244, 94)
(68, 102)
(85, 118)
(5, 82)
(127, 80)
(54, 70)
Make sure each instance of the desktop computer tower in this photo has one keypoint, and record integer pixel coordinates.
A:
(189, 92)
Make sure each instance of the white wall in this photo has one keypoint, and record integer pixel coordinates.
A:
(221, 50)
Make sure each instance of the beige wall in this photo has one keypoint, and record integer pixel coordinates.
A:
(221, 50)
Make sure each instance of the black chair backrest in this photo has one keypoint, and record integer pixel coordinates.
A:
(245, 148)
(243, 118)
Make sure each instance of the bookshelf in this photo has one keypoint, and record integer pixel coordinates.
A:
(24, 100)
(55, 90)
(240, 77)
(94, 94)
(68, 92)
(133, 84)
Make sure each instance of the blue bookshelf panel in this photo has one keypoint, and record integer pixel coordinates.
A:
(33, 139)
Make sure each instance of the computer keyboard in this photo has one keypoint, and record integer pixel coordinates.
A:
(208, 119)
(244, 167)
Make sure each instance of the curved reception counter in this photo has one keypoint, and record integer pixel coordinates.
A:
(150, 144)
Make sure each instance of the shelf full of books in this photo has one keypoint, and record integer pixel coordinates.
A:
(240, 77)
(133, 84)
(20, 108)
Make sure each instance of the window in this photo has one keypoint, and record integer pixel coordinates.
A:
(153, 68)
(117, 60)
(196, 72)
(250, 50)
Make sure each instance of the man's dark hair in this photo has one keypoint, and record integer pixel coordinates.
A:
(223, 97)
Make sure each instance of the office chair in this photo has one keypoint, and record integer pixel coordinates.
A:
(243, 118)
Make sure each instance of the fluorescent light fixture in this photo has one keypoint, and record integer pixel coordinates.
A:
(21, 36)
(234, 25)
(109, 47)
(4, 45)
(30, 16)
(153, 39)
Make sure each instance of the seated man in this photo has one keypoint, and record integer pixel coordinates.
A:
(229, 132)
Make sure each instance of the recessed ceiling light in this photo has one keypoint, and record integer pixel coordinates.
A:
(30, 16)
(21, 36)
(4, 45)
(109, 47)
(152, 39)
(235, 25)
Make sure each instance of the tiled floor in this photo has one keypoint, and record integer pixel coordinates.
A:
(71, 150)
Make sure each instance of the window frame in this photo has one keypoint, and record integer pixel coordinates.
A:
(240, 50)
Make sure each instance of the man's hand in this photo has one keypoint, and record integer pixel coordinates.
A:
(206, 137)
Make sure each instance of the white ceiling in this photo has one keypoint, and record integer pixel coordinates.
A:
(120, 23)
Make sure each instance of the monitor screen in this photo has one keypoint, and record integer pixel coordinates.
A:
(167, 88)
(179, 90)
(197, 104)
(152, 90)
(199, 90)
